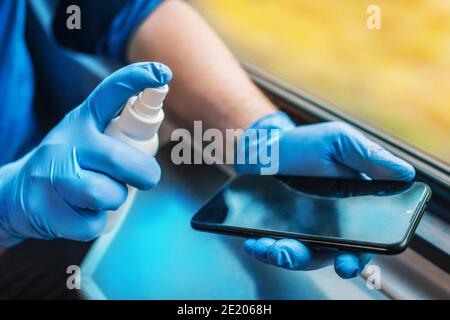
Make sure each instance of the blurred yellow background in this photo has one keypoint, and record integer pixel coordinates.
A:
(397, 78)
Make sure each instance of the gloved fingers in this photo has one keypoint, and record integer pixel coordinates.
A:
(350, 265)
(337, 170)
(288, 253)
(258, 248)
(83, 225)
(356, 151)
(92, 191)
(122, 162)
(111, 95)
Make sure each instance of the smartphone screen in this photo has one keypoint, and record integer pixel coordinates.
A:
(375, 213)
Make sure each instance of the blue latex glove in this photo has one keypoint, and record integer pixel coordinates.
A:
(64, 186)
(331, 149)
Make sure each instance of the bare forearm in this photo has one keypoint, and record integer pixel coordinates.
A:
(209, 84)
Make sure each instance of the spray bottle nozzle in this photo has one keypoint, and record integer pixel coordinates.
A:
(142, 115)
(149, 102)
(154, 96)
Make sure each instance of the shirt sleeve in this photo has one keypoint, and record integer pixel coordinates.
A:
(106, 26)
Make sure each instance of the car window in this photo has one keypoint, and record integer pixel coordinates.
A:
(396, 77)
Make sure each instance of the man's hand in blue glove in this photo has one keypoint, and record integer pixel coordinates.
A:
(63, 187)
(331, 149)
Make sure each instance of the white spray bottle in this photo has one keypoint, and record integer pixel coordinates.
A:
(138, 126)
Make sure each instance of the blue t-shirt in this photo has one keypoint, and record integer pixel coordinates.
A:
(16, 80)
(105, 30)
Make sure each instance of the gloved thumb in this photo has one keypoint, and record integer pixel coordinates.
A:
(109, 97)
(354, 150)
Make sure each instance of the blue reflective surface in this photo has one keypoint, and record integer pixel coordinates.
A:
(157, 255)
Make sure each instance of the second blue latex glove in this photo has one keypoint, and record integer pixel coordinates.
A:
(331, 149)
(65, 185)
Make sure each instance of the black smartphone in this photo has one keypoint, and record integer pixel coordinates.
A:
(356, 215)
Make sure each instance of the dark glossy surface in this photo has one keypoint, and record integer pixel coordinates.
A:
(364, 211)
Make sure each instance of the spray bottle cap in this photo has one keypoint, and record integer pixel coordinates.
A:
(155, 96)
(149, 102)
(142, 115)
